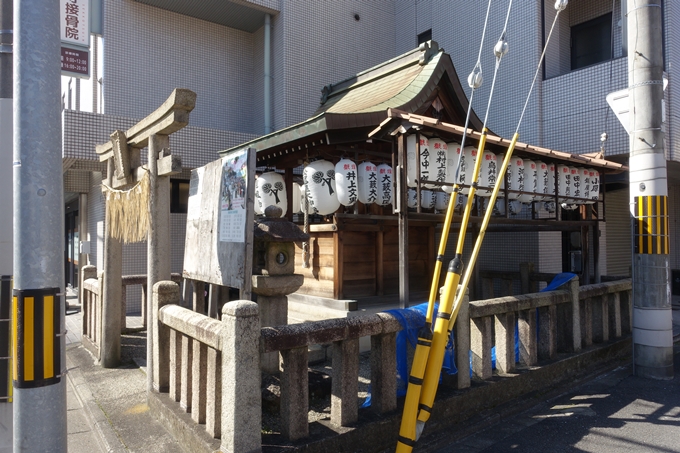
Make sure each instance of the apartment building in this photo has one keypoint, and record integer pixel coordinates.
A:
(217, 49)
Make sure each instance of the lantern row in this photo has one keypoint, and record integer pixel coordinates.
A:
(328, 186)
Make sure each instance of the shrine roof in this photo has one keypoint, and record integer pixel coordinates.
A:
(409, 82)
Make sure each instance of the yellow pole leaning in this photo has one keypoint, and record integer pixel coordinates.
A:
(440, 334)
(407, 429)
(482, 231)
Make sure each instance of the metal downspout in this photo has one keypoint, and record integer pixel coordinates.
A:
(267, 74)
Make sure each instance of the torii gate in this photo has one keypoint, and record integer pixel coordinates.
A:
(123, 169)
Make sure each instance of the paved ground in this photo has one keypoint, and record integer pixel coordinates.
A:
(107, 410)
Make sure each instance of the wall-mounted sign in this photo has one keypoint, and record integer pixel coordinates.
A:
(75, 62)
(75, 22)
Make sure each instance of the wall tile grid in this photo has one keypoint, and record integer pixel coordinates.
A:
(457, 26)
(150, 51)
(324, 44)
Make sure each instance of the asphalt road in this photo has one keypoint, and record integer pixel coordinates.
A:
(616, 412)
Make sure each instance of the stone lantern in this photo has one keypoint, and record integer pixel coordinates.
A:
(273, 272)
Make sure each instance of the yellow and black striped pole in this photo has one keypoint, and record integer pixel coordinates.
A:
(35, 337)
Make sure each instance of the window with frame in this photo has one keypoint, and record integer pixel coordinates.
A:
(591, 42)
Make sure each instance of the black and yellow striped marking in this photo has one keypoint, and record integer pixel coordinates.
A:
(651, 225)
(5, 343)
(36, 346)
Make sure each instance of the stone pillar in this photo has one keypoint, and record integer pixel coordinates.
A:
(383, 378)
(344, 408)
(525, 271)
(86, 273)
(480, 344)
(462, 334)
(547, 335)
(109, 346)
(505, 342)
(164, 293)
(241, 395)
(527, 337)
(295, 393)
(573, 288)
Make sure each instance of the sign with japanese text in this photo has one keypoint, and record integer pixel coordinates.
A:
(75, 22)
(75, 62)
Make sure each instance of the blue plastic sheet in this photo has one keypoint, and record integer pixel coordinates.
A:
(413, 318)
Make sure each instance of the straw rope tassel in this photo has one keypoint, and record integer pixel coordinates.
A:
(127, 211)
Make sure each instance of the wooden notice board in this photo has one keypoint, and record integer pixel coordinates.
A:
(219, 236)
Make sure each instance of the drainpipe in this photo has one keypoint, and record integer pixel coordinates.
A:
(267, 74)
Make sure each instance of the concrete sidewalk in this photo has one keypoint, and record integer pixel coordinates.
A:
(107, 408)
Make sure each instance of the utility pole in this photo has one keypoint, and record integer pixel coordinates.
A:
(6, 39)
(652, 316)
(38, 303)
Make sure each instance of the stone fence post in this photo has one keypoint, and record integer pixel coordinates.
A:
(241, 396)
(164, 293)
(573, 287)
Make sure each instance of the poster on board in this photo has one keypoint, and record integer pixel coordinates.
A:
(219, 236)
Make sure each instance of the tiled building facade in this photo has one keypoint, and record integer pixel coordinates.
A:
(150, 47)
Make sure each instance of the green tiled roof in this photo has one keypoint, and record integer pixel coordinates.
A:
(408, 82)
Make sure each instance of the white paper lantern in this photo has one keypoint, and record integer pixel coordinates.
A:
(594, 185)
(296, 198)
(439, 150)
(425, 160)
(515, 176)
(541, 180)
(368, 182)
(585, 181)
(451, 164)
(530, 176)
(319, 178)
(427, 199)
(412, 198)
(550, 188)
(514, 207)
(272, 191)
(487, 174)
(467, 167)
(563, 183)
(441, 201)
(346, 182)
(576, 185)
(384, 185)
(257, 202)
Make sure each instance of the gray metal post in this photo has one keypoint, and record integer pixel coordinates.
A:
(652, 320)
(39, 411)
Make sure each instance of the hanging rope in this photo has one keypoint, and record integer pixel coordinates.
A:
(127, 211)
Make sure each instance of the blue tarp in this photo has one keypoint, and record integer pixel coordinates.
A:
(413, 318)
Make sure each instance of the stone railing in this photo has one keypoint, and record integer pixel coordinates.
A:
(91, 302)
(192, 368)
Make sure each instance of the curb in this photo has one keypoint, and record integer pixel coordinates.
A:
(106, 435)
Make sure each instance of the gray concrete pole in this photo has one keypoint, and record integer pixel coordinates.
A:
(39, 402)
(158, 240)
(652, 320)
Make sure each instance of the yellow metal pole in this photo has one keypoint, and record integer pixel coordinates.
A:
(440, 334)
(482, 231)
(407, 430)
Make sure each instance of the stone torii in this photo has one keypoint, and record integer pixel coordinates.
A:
(123, 168)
